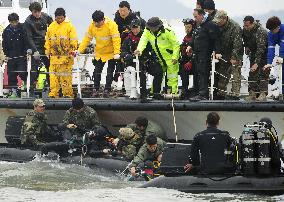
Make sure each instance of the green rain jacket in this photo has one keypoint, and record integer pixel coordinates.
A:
(164, 43)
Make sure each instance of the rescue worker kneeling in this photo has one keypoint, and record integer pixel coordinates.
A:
(151, 151)
(210, 150)
(128, 143)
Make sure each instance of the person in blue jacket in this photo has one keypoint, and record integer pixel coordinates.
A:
(275, 37)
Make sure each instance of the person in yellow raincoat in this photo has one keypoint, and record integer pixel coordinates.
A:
(61, 41)
(105, 31)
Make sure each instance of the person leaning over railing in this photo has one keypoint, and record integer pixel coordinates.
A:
(105, 31)
(61, 40)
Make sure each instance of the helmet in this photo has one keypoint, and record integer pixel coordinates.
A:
(266, 122)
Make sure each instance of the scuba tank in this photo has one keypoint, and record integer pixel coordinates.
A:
(263, 151)
(248, 144)
(255, 150)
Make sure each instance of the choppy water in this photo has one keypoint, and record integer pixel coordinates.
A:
(50, 181)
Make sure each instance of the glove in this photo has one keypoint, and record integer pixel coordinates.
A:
(279, 60)
(36, 55)
(187, 66)
(137, 52)
(74, 53)
(116, 56)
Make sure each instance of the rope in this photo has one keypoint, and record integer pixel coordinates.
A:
(174, 119)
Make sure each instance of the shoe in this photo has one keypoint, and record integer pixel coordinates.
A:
(13, 94)
(106, 94)
(232, 97)
(95, 93)
(197, 98)
(262, 97)
(158, 96)
(251, 97)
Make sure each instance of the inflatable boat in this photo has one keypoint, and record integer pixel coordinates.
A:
(23, 154)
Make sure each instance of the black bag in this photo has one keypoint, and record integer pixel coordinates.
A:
(13, 129)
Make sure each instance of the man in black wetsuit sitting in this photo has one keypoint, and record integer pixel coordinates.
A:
(210, 149)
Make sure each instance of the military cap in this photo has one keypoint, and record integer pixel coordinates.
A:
(220, 14)
(126, 133)
(38, 102)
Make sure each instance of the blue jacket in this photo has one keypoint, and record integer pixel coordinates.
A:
(274, 39)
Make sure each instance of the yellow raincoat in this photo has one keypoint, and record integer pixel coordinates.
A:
(61, 40)
(107, 40)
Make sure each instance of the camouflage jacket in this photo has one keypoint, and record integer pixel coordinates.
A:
(144, 154)
(231, 41)
(87, 119)
(35, 130)
(153, 128)
(255, 42)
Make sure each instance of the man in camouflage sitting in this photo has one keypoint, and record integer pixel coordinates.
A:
(80, 118)
(35, 131)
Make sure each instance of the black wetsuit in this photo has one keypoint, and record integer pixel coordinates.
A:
(209, 151)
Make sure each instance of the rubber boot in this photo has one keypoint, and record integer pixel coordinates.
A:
(262, 97)
(251, 97)
(13, 93)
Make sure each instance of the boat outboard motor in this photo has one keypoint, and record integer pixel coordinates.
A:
(13, 129)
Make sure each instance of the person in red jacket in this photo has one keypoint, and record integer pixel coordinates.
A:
(186, 57)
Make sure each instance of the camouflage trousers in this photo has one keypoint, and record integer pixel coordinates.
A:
(258, 80)
(223, 75)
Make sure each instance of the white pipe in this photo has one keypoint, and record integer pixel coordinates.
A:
(138, 76)
(212, 77)
(2, 70)
(78, 71)
(29, 67)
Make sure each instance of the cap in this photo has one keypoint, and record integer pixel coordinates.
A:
(39, 102)
(220, 14)
(154, 22)
(209, 5)
(135, 23)
(187, 21)
(77, 103)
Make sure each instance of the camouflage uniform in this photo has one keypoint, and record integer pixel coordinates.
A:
(231, 48)
(131, 142)
(145, 155)
(86, 119)
(152, 128)
(255, 42)
(35, 130)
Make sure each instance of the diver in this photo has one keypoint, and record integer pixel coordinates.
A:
(210, 149)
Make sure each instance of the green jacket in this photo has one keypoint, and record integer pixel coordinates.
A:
(231, 43)
(35, 130)
(87, 119)
(164, 43)
(144, 154)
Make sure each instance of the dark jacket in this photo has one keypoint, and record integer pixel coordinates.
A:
(15, 41)
(124, 24)
(206, 39)
(209, 151)
(36, 29)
